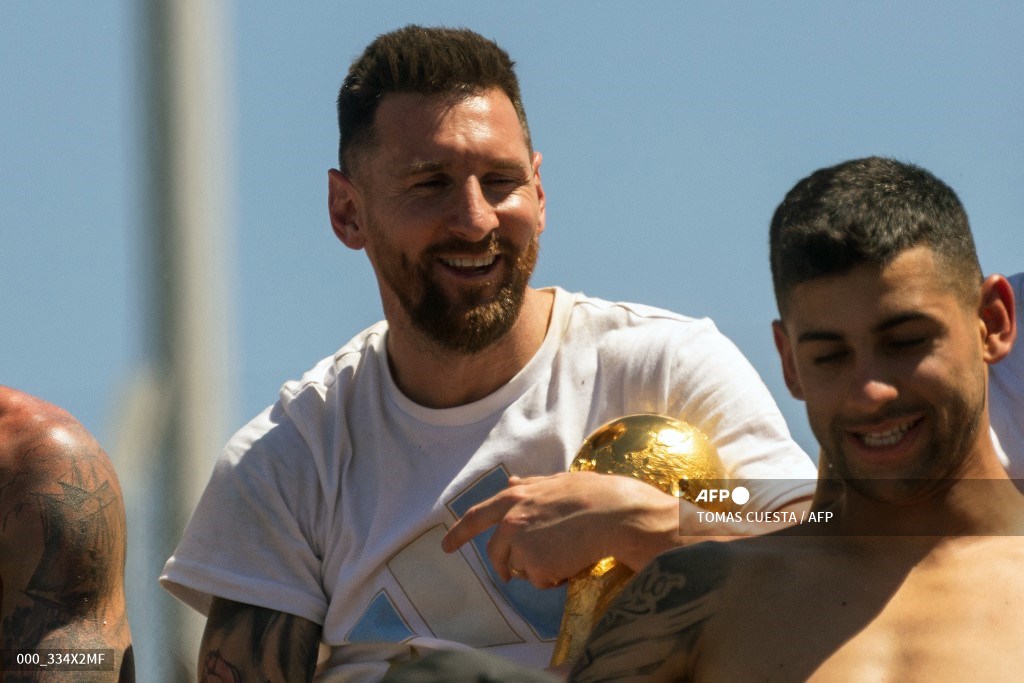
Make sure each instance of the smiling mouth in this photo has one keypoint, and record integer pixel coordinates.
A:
(470, 262)
(890, 437)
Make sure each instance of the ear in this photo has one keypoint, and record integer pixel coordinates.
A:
(343, 204)
(541, 199)
(785, 349)
(997, 314)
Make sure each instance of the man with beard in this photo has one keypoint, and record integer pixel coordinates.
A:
(887, 330)
(1006, 412)
(384, 504)
(62, 549)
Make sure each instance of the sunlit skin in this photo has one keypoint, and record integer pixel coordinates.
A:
(452, 191)
(62, 543)
(447, 197)
(450, 196)
(891, 362)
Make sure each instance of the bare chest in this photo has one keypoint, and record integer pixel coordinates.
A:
(961, 617)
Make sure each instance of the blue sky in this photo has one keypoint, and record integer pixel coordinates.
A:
(670, 131)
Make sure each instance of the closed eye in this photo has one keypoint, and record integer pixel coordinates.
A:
(498, 187)
(907, 343)
(501, 183)
(829, 358)
(911, 344)
(433, 182)
(502, 180)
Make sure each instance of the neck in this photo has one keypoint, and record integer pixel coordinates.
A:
(980, 499)
(440, 378)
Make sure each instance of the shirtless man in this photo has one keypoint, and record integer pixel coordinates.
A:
(887, 330)
(62, 549)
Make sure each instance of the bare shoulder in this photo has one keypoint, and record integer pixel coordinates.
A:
(50, 463)
(653, 628)
(62, 534)
(36, 436)
(245, 642)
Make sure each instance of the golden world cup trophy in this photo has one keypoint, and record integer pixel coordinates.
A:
(656, 449)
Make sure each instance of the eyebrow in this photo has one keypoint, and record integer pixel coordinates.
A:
(422, 167)
(419, 167)
(900, 319)
(884, 326)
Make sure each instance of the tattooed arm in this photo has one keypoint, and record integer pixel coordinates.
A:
(62, 543)
(247, 643)
(653, 629)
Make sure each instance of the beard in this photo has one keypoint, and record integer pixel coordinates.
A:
(473, 319)
(940, 460)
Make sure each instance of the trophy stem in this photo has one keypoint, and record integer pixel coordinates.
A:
(658, 450)
(589, 594)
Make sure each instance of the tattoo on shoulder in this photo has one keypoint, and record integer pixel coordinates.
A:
(659, 615)
(242, 638)
(66, 510)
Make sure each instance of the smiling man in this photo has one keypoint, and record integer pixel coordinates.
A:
(887, 332)
(384, 504)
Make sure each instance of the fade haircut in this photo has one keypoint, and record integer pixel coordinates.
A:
(868, 211)
(452, 62)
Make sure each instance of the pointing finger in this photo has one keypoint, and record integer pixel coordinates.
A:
(478, 518)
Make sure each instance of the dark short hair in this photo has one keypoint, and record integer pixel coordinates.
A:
(869, 211)
(426, 60)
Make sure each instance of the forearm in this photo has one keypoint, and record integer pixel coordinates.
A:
(697, 524)
(667, 522)
(651, 529)
(243, 642)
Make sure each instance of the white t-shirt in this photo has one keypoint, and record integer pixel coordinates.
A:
(1006, 395)
(331, 504)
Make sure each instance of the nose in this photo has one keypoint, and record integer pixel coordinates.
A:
(872, 386)
(474, 217)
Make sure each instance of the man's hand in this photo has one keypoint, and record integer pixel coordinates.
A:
(549, 528)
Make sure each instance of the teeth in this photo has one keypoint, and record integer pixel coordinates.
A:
(888, 438)
(470, 262)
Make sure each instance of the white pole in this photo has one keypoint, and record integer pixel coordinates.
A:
(182, 402)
